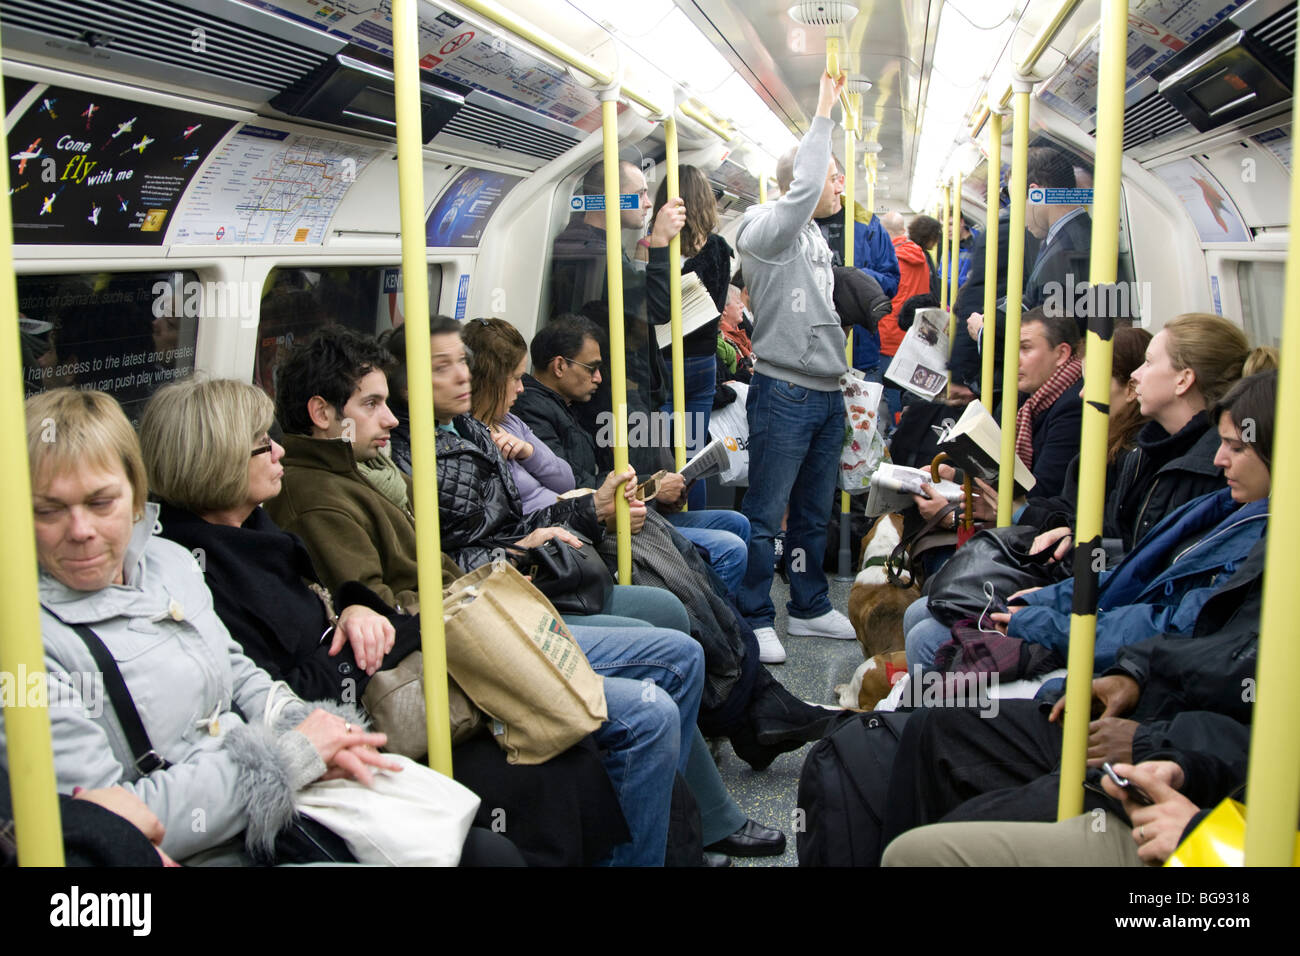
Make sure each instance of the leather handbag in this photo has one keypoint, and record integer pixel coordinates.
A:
(394, 698)
(996, 557)
(510, 650)
(576, 580)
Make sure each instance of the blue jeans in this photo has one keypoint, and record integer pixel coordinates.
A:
(700, 374)
(893, 394)
(651, 606)
(724, 534)
(923, 635)
(795, 436)
(653, 681)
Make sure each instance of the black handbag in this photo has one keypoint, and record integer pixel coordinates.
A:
(575, 580)
(997, 557)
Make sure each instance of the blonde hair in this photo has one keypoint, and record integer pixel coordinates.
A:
(1212, 347)
(1262, 358)
(196, 437)
(69, 430)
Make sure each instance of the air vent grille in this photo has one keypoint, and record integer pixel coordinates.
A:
(1278, 32)
(168, 35)
(484, 126)
(1150, 119)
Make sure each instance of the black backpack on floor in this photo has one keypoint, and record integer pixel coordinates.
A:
(842, 789)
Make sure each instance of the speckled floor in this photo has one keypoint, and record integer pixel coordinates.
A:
(814, 665)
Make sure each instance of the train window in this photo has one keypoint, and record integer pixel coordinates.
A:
(296, 301)
(1261, 284)
(122, 333)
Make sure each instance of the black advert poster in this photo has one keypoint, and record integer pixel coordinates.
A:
(96, 170)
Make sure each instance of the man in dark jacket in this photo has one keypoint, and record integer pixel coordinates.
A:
(1169, 692)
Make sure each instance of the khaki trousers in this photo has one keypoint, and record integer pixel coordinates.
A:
(1096, 838)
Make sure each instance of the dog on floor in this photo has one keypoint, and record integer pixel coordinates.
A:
(876, 609)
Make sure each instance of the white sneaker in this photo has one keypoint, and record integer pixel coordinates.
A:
(831, 624)
(770, 650)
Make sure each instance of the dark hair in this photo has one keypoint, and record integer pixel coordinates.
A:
(394, 342)
(1050, 168)
(925, 231)
(701, 207)
(738, 280)
(330, 365)
(562, 336)
(1252, 399)
(1129, 351)
(1057, 329)
(496, 347)
(907, 314)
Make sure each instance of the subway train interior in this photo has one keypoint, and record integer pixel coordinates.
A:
(198, 187)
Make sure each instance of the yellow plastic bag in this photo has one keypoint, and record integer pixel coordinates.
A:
(1219, 839)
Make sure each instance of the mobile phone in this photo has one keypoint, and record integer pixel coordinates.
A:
(1138, 794)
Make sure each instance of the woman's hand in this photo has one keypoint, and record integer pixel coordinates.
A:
(129, 807)
(974, 325)
(542, 535)
(1057, 536)
(371, 635)
(986, 501)
(931, 506)
(668, 221)
(609, 489)
(346, 749)
(1158, 828)
(1002, 619)
(511, 448)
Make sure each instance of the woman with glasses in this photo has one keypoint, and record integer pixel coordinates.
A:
(266, 592)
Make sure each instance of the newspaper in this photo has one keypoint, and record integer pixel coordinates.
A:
(921, 365)
(892, 488)
(712, 460)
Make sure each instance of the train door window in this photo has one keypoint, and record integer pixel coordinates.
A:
(1261, 286)
(296, 301)
(126, 334)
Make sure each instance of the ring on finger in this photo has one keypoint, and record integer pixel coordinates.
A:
(1142, 833)
(347, 728)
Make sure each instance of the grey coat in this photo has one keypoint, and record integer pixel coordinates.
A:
(185, 674)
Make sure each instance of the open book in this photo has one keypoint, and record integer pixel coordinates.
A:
(698, 310)
(892, 488)
(974, 443)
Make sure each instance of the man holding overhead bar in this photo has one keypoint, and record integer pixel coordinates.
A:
(796, 413)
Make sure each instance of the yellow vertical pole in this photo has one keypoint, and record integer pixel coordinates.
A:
(37, 830)
(1104, 258)
(954, 258)
(943, 246)
(617, 345)
(991, 259)
(424, 466)
(1273, 781)
(675, 302)
(762, 189)
(1018, 189)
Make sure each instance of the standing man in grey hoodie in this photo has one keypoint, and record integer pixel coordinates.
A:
(796, 413)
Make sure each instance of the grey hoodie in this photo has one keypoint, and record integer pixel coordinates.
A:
(787, 267)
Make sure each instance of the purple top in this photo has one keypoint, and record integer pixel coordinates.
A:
(543, 476)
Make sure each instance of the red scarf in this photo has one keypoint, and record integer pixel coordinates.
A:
(1043, 399)
(740, 340)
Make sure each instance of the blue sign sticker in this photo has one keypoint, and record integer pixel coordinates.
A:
(597, 202)
(1056, 196)
(1214, 291)
(462, 297)
(392, 280)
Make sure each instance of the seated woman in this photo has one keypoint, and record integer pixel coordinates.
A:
(106, 582)
(267, 593)
(740, 699)
(1162, 583)
(496, 380)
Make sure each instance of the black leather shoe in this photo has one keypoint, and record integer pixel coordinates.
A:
(716, 859)
(759, 756)
(752, 839)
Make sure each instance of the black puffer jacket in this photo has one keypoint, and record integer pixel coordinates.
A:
(478, 503)
(1163, 474)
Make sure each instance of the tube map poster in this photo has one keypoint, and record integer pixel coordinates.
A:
(95, 170)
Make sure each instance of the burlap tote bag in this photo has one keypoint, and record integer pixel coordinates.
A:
(509, 650)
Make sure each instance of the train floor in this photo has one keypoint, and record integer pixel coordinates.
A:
(813, 666)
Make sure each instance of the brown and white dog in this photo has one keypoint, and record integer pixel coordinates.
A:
(875, 606)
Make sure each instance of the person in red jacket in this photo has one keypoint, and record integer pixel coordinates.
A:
(914, 279)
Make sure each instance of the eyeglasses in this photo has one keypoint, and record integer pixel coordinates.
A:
(264, 449)
(593, 369)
